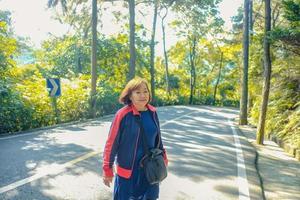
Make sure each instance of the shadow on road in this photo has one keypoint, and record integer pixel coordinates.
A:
(200, 147)
(28, 155)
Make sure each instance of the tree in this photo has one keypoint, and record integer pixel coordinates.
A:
(93, 59)
(244, 94)
(218, 79)
(267, 75)
(251, 17)
(196, 19)
(132, 39)
(192, 59)
(8, 44)
(163, 16)
(13, 112)
(54, 3)
(152, 50)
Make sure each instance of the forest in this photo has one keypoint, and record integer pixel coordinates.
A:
(254, 66)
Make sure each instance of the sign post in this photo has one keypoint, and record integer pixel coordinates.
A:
(53, 86)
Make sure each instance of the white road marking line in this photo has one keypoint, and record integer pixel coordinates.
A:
(173, 120)
(61, 168)
(242, 180)
(49, 171)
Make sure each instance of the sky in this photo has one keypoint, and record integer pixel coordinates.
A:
(33, 20)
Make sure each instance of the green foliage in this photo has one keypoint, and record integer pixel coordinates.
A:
(283, 106)
(292, 12)
(289, 34)
(73, 103)
(32, 88)
(14, 115)
(163, 99)
(8, 47)
(106, 99)
(291, 131)
(284, 111)
(64, 57)
(25, 103)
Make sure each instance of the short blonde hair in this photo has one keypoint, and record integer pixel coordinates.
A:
(132, 85)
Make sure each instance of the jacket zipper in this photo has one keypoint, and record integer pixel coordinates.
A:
(135, 149)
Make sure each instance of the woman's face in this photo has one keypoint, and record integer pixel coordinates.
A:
(140, 97)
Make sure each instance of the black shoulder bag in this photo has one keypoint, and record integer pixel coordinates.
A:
(153, 161)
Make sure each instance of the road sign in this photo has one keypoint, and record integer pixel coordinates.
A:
(53, 84)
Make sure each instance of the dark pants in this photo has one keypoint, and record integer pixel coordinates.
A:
(135, 188)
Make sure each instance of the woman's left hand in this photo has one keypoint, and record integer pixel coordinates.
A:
(107, 180)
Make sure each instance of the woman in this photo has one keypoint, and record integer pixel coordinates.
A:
(125, 142)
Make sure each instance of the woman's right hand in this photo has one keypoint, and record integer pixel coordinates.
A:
(107, 180)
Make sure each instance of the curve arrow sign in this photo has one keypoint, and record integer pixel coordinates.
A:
(53, 84)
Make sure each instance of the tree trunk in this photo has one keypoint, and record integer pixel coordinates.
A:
(78, 59)
(132, 40)
(218, 80)
(251, 17)
(208, 81)
(267, 75)
(207, 85)
(152, 51)
(244, 95)
(250, 41)
(93, 59)
(193, 70)
(165, 51)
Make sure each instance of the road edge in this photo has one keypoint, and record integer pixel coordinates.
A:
(256, 160)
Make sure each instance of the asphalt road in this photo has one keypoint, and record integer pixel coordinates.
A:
(208, 159)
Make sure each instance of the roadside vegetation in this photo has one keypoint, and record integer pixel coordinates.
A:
(204, 67)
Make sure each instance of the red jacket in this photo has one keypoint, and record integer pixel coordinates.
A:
(123, 139)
